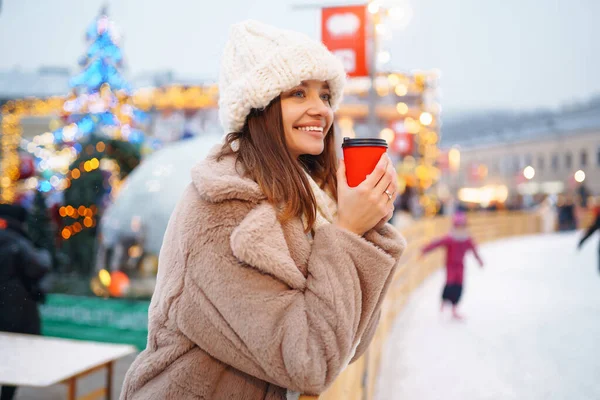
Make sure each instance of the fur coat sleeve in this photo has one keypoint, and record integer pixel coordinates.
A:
(295, 335)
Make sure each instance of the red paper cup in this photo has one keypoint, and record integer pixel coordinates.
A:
(361, 157)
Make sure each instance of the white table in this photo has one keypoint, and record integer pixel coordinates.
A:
(28, 360)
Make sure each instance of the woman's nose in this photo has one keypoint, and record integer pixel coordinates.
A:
(318, 106)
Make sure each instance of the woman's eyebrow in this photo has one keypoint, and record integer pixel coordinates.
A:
(324, 85)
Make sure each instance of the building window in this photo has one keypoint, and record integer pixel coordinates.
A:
(598, 156)
(516, 163)
(505, 162)
(568, 161)
(583, 158)
(540, 162)
(528, 160)
(555, 162)
(492, 166)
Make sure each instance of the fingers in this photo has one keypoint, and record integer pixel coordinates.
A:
(379, 172)
(393, 186)
(341, 173)
(391, 189)
(392, 183)
(384, 183)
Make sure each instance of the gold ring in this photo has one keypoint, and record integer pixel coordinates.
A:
(389, 195)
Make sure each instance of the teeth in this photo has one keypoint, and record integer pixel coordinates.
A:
(310, 128)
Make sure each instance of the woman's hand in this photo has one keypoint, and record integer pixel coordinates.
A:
(369, 204)
(394, 190)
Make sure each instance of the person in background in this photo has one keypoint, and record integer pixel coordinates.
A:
(548, 215)
(566, 214)
(583, 195)
(590, 231)
(21, 268)
(403, 215)
(456, 244)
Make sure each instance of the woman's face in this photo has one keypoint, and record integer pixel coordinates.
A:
(307, 117)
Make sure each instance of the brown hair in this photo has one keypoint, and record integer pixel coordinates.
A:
(263, 152)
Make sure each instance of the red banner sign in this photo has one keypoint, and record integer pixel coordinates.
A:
(403, 143)
(344, 32)
(443, 160)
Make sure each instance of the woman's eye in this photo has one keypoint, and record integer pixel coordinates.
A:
(298, 93)
(326, 96)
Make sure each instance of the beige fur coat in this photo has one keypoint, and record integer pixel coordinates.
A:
(248, 308)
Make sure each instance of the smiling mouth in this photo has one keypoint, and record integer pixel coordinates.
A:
(311, 129)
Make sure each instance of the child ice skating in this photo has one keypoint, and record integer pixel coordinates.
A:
(457, 243)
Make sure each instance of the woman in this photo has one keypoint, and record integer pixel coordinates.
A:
(267, 287)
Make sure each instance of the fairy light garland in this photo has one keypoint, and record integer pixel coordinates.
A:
(87, 215)
(420, 119)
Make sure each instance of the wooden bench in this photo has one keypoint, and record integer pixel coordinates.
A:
(38, 361)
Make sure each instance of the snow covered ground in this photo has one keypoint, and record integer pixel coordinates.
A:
(532, 328)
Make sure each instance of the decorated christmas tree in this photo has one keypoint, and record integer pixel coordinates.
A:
(97, 145)
(90, 191)
(100, 101)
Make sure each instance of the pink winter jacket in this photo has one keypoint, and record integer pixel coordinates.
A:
(456, 249)
(247, 308)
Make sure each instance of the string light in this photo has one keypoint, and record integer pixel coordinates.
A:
(176, 97)
(401, 90)
(426, 118)
(388, 135)
(402, 108)
(87, 213)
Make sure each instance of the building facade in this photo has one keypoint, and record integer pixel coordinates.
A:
(546, 153)
(554, 162)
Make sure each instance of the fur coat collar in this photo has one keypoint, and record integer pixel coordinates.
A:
(223, 180)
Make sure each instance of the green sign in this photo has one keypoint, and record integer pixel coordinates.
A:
(97, 319)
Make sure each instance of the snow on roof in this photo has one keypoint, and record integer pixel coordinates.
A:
(45, 82)
(506, 127)
(54, 81)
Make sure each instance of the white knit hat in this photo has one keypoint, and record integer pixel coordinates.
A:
(261, 61)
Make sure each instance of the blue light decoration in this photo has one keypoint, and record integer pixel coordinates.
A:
(141, 116)
(100, 102)
(108, 118)
(136, 136)
(85, 125)
(45, 186)
(96, 105)
(58, 136)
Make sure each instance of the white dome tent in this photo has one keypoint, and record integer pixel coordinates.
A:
(137, 221)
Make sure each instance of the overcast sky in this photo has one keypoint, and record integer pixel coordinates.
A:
(517, 54)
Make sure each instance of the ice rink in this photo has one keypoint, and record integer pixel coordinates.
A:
(532, 328)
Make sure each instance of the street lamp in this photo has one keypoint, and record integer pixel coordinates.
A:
(373, 7)
(579, 176)
(400, 14)
(529, 172)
